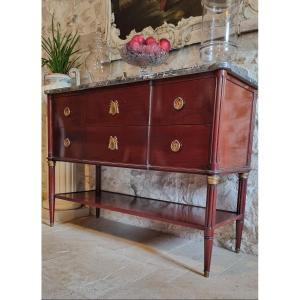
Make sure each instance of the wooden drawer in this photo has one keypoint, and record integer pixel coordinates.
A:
(68, 111)
(116, 144)
(68, 143)
(117, 106)
(185, 101)
(194, 146)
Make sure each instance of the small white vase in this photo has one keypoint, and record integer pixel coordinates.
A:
(57, 80)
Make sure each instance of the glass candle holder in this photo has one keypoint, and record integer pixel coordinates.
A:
(220, 26)
(103, 57)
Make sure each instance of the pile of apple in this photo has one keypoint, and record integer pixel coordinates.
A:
(149, 45)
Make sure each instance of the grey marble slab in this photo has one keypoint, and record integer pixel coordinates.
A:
(233, 69)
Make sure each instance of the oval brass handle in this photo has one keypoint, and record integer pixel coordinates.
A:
(67, 111)
(178, 103)
(114, 107)
(175, 146)
(67, 142)
(113, 143)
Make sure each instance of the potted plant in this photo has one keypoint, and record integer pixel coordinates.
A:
(60, 50)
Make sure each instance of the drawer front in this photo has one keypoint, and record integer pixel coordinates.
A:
(68, 143)
(68, 111)
(185, 101)
(182, 146)
(117, 144)
(128, 105)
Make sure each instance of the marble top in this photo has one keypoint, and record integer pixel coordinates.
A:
(233, 69)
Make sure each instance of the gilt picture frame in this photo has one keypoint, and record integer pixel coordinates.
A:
(186, 32)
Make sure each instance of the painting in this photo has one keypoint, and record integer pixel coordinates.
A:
(137, 15)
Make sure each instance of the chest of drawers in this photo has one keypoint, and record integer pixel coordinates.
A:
(197, 123)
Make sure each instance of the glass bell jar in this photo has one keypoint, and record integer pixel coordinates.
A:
(220, 26)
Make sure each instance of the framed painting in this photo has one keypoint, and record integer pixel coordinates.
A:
(137, 15)
(177, 20)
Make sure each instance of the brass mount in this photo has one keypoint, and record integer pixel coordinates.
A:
(213, 179)
(244, 175)
(178, 103)
(51, 163)
(114, 107)
(113, 143)
(175, 146)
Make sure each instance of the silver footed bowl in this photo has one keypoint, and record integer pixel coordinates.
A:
(142, 58)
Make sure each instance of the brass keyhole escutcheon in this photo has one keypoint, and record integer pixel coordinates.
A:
(114, 107)
(113, 143)
(67, 111)
(175, 146)
(178, 103)
(67, 142)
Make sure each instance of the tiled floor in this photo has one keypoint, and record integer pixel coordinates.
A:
(93, 258)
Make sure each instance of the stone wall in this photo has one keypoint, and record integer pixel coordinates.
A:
(85, 16)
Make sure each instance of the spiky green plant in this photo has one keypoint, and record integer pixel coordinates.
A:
(60, 50)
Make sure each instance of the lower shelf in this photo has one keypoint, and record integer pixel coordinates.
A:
(176, 213)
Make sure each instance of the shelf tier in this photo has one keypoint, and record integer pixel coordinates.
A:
(171, 212)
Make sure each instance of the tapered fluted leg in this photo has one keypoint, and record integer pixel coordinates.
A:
(238, 232)
(51, 185)
(243, 177)
(98, 186)
(210, 218)
(208, 245)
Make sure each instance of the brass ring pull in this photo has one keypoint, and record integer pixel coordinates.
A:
(175, 146)
(67, 111)
(67, 142)
(114, 107)
(113, 143)
(178, 103)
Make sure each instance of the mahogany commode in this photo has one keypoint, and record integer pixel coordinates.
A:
(198, 122)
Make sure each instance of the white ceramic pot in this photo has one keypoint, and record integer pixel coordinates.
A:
(57, 80)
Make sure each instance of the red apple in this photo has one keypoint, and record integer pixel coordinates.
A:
(148, 49)
(165, 44)
(152, 49)
(133, 45)
(138, 38)
(151, 40)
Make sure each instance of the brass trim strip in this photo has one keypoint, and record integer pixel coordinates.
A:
(244, 175)
(214, 179)
(51, 163)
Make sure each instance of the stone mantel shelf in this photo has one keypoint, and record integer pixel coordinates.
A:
(233, 69)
